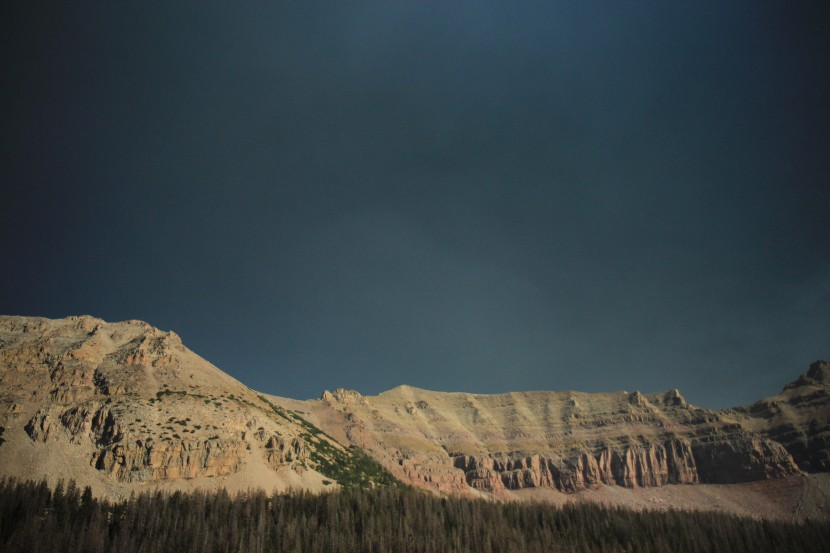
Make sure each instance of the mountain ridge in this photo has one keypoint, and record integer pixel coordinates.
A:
(125, 406)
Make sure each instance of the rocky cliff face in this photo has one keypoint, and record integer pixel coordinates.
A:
(128, 404)
(566, 441)
(135, 406)
(671, 462)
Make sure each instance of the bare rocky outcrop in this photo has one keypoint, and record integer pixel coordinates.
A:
(154, 461)
(638, 466)
(674, 461)
(742, 459)
(343, 397)
(569, 441)
(134, 405)
(40, 426)
(280, 451)
(431, 473)
(155, 348)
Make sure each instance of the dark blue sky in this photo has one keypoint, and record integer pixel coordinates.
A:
(469, 196)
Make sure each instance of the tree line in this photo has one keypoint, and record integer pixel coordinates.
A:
(35, 518)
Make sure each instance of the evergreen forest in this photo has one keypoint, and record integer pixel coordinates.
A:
(35, 518)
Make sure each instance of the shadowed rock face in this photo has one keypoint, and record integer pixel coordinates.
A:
(798, 418)
(571, 441)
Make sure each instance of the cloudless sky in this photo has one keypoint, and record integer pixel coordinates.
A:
(473, 196)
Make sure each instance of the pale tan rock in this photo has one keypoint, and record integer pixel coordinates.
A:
(126, 407)
(136, 407)
(567, 441)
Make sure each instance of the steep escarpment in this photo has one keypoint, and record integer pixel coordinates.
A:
(125, 406)
(134, 406)
(566, 441)
(638, 466)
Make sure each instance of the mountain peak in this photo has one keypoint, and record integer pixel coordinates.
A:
(820, 370)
